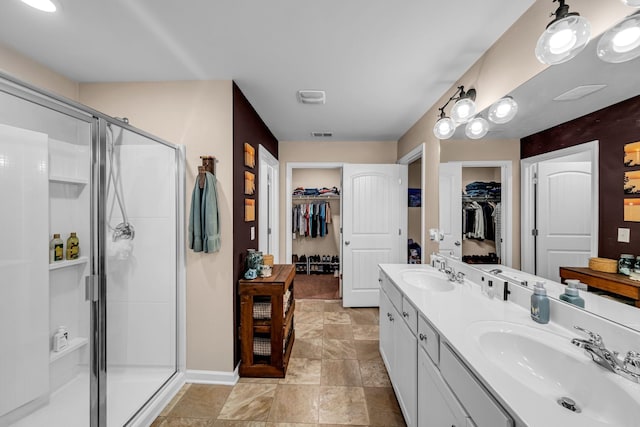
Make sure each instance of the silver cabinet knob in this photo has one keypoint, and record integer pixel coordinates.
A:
(423, 337)
(405, 314)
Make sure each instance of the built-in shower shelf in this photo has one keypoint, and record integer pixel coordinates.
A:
(74, 344)
(68, 263)
(68, 179)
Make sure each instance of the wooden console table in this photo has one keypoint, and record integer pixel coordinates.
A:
(266, 323)
(615, 283)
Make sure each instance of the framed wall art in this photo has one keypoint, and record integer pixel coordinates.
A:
(632, 154)
(249, 155)
(249, 183)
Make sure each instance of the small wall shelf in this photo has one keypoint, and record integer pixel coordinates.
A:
(68, 263)
(74, 344)
(68, 180)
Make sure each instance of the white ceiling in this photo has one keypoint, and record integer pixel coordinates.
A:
(382, 63)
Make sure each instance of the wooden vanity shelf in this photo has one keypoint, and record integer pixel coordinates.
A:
(617, 284)
(266, 323)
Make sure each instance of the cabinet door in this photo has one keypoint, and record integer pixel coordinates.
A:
(437, 405)
(387, 349)
(406, 381)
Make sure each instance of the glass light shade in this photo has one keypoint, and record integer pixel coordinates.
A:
(43, 5)
(463, 110)
(622, 42)
(444, 128)
(476, 128)
(632, 3)
(503, 110)
(563, 39)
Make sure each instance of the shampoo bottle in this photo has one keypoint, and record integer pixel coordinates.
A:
(73, 247)
(55, 248)
(540, 304)
(60, 339)
(572, 296)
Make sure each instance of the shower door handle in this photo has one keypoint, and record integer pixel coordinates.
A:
(91, 288)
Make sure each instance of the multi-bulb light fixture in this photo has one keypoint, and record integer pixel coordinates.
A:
(568, 34)
(464, 111)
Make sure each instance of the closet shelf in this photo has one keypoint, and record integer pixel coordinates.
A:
(68, 263)
(319, 197)
(68, 179)
(74, 344)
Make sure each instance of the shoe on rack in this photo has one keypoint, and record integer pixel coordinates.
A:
(303, 258)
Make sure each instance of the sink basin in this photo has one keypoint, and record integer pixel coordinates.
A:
(550, 366)
(430, 281)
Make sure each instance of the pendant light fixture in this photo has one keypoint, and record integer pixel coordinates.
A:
(632, 3)
(621, 42)
(43, 5)
(564, 37)
(503, 110)
(476, 128)
(461, 112)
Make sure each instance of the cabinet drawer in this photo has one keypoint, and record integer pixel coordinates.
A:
(410, 315)
(429, 340)
(392, 292)
(484, 410)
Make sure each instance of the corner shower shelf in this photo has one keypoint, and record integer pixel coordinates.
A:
(68, 263)
(74, 344)
(68, 180)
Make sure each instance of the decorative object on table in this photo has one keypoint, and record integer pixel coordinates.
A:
(267, 259)
(203, 231)
(605, 265)
(249, 183)
(249, 210)
(253, 264)
(626, 264)
(265, 271)
(249, 155)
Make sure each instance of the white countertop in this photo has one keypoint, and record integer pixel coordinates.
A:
(457, 313)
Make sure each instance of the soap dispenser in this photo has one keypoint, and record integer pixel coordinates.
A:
(572, 296)
(540, 304)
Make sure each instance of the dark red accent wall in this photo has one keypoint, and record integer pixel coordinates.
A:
(614, 127)
(247, 127)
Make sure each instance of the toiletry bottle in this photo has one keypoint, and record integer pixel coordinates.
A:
(73, 247)
(55, 248)
(572, 296)
(540, 304)
(60, 339)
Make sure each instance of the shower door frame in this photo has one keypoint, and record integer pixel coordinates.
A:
(96, 283)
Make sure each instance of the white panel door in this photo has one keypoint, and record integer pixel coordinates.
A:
(563, 217)
(374, 228)
(268, 229)
(450, 208)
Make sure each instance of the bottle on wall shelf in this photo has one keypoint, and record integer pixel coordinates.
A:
(60, 339)
(56, 248)
(73, 247)
(572, 296)
(540, 304)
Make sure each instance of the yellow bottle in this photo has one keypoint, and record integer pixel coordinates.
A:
(73, 247)
(55, 249)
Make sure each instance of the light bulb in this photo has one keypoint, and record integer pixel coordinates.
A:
(43, 5)
(477, 128)
(563, 40)
(503, 110)
(463, 110)
(444, 128)
(621, 42)
(632, 3)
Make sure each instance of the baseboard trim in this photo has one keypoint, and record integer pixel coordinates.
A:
(195, 376)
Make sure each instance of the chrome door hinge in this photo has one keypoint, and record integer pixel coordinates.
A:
(534, 232)
(399, 231)
(91, 288)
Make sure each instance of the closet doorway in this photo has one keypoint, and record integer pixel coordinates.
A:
(416, 204)
(316, 240)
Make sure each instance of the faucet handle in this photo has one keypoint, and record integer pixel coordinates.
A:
(595, 338)
(632, 362)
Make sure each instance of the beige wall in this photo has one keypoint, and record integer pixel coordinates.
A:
(29, 71)
(198, 115)
(327, 152)
(509, 63)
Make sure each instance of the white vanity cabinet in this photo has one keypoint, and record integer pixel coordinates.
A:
(399, 346)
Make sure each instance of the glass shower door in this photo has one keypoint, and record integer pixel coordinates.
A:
(141, 268)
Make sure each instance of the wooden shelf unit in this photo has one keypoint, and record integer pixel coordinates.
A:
(615, 283)
(277, 328)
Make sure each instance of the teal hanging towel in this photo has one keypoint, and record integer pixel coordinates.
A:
(204, 231)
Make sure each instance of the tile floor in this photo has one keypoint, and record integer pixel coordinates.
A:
(335, 377)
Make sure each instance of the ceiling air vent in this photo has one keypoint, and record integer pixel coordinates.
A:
(322, 134)
(579, 92)
(311, 97)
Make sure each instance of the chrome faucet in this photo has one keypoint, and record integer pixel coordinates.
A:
(451, 273)
(629, 368)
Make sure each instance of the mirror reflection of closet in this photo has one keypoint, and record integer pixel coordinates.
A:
(414, 219)
(481, 216)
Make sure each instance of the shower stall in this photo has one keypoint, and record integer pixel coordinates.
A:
(94, 338)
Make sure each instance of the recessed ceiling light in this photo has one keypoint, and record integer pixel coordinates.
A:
(311, 96)
(43, 5)
(579, 92)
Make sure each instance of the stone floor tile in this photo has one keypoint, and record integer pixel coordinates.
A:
(313, 317)
(249, 402)
(307, 348)
(334, 306)
(382, 407)
(305, 305)
(338, 349)
(182, 422)
(341, 373)
(303, 371)
(338, 332)
(365, 332)
(201, 401)
(175, 400)
(364, 316)
(336, 317)
(308, 330)
(374, 373)
(229, 423)
(295, 404)
(368, 349)
(343, 405)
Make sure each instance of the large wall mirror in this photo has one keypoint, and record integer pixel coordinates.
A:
(594, 104)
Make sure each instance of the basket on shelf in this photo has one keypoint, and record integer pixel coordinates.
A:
(603, 264)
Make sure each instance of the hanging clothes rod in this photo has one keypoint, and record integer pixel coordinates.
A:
(208, 165)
